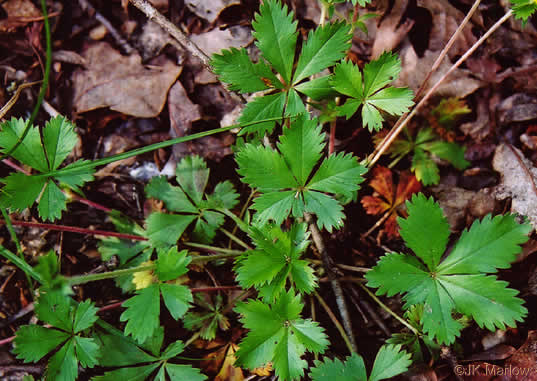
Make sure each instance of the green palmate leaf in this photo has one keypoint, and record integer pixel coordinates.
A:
(276, 261)
(210, 319)
(62, 365)
(189, 200)
(324, 47)
(33, 342)
(390, 362)
(143, 309)
(172, 264)
(524, 8)
(424, 146)
(276, 36)
(425, 231)
(318, 88)
(459, 282)
(235, 67)
(369, 90)
(133, 360)
(68, 320)
(44, 155)
(30, 151)
(282, 177)
(142, 313)
(278, 335)
(424, 168)
(262, 107)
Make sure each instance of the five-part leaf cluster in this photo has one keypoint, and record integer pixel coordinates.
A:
(292, 180)
(458, 282)
(43, 151)
(287, 179)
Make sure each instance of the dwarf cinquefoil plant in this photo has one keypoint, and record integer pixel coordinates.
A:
(456, 282)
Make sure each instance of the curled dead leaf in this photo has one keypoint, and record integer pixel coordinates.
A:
(122, 83)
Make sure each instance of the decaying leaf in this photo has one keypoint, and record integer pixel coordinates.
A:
(414, 70)
(392, 30)
(122, 83)
(387, 199)
(524, 360)
(209, 10)
(446, 19)
(19, 13)
(518, 182)
(215, 40)
(228, 372)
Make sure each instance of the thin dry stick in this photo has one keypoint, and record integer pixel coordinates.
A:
(15, 97)
(435, 67)
(127, 48)
(387, 142)
(154, 15)
(336, 287)
(336, 322)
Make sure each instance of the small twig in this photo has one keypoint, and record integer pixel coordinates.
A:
(449, 356)
(390, 139)
(74, 229)
(15, 97)
(388, 309)
(127, 48)
(154, 15)
(377, 224)
(336, 322)
(448, 46)
(336, 287)
(372, 313)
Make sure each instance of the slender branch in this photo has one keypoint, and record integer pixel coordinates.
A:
(390, 139)
(336, 287)
(213, 248)
(81, 279)
(154, 15)
(388, 309)
(44, 85)
(448, 46)
(74, 229)
(336, 322)
(127, 48)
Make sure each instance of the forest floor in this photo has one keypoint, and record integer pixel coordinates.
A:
(126, 83)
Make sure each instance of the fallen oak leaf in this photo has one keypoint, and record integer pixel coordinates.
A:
(122, 83)
(386, 200)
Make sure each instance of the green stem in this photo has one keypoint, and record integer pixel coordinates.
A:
(81, 279)
(44, 85)
(213, 248)
(388, 309)
(236, 239)
(214, 257)
(15, 239)
(21, 264)
(335, 321)
(149, 148)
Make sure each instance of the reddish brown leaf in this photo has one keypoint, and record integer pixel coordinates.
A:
(387, 199)
(382, 182)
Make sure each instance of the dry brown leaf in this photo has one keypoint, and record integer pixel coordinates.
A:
(414, 69)
(228, 372)
(523, 364)
(209, 10)
(391, 31)
(519, 177)
(19, 13)
(216, 40)
(446, 19)
(122, 83)
(182, 111)
(453, 201)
